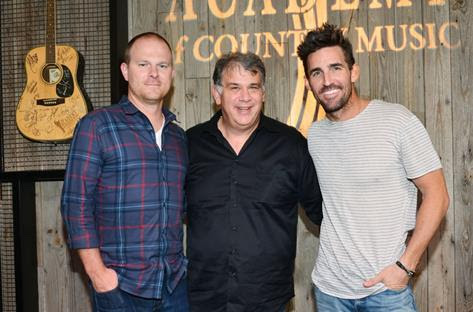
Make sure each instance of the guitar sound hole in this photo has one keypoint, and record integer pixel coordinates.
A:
(51, 73)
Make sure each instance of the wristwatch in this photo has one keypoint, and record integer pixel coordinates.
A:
(408, 272)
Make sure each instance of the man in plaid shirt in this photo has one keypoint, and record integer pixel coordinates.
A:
(122, 199)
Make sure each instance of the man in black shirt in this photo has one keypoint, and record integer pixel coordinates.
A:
(247, 172)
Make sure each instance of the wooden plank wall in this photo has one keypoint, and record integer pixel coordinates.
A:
(62, 283)
(423, 59)
(426, 66)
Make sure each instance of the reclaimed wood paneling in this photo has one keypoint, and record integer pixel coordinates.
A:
(360, 21)
(383, 64)
(409, 73)
(307, 244)
(222, 32)
(462, 196)
(197, 29)
(173, 32)
(199, 107)
(62, 284)
(142, 17)
(275, 54)
(438, 121)
(404, 56)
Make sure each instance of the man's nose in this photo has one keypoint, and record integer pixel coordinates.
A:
(153, 72)
(245, 94)
(327, 79)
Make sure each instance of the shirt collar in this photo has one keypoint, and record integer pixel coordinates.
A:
(131, 109)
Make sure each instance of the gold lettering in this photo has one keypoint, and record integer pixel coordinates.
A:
(309, 19)
(443, 38)
(249, 9)
(268, 8)
(436, 2)
(341, 5)
(293, 6)
(375, 39)
(278, 46)
(431, 33)
(180, 48)
(244, 43)
(322, 12)
(189, 13)
(197, 49)
(375, 4)
(298, 36)
(218, 43)
(171, 17)
(392, 40)
(417, 36)
(219, 13)
(258, 43)
(404, 3)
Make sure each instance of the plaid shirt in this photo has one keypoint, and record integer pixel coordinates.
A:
(125, 196)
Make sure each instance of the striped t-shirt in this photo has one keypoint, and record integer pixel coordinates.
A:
(365, 166)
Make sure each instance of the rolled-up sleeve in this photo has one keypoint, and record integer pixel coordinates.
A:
(82, 174)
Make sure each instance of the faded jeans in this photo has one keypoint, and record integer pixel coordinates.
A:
(388, 300)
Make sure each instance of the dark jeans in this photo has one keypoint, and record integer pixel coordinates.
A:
(118, 300)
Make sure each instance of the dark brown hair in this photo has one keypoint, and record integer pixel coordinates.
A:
(327, 35)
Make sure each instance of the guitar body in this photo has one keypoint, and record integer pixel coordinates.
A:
(52, 102)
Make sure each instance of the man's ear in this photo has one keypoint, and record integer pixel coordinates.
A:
(306, 83)
(216, 95)
(355, 73)
(124, 69)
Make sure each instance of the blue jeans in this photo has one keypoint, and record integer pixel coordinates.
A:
(388, 300)
(118, 300)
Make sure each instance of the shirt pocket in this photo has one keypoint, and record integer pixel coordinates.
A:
(205, 192)
(277, 188)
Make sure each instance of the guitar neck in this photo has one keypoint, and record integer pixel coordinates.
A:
(51, 31)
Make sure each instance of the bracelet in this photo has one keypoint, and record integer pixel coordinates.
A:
(408, 272)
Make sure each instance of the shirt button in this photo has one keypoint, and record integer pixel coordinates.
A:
(233, 251)
(232, 273)
(235, 182)
(234, 228)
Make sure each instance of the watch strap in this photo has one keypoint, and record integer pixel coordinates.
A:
(409, 273)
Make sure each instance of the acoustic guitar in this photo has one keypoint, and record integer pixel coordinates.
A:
(51, 103)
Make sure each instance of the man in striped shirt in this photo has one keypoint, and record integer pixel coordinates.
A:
(122, 199)
(371, 159)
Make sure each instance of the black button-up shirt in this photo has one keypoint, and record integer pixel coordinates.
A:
(242, 215)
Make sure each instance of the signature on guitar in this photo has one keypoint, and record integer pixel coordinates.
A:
(51, 103)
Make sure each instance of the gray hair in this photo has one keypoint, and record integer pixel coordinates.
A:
(249, 61)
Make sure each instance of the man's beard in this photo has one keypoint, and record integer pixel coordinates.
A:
(338, 105)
